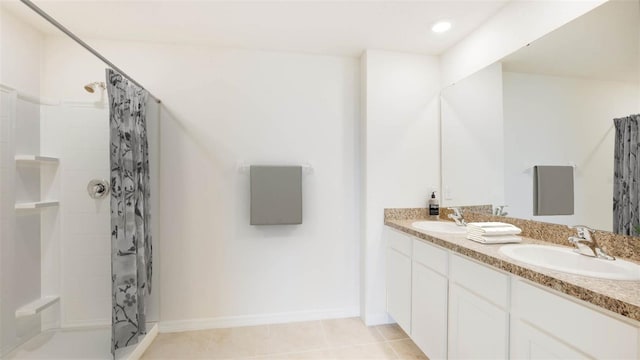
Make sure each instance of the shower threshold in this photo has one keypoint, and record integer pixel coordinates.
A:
(80, 343)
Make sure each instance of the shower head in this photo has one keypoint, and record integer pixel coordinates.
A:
(91, 88)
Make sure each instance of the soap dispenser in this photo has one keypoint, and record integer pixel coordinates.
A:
(434, 207)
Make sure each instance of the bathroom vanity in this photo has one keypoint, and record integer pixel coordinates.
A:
(460, 299)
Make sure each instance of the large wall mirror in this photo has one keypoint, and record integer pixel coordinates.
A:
(550, 103)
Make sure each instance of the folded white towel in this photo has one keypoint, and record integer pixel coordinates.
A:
(489, 224)
(492, 228)
(495, 239)
(495, 231)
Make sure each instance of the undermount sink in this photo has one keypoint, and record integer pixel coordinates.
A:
(566, 260)
(444, 227)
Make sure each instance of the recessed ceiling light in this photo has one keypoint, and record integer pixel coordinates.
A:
(441, 26)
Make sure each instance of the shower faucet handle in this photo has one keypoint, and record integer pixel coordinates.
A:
(98, 189)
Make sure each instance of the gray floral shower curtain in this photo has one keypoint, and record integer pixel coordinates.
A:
(130, 231)
(626, 176)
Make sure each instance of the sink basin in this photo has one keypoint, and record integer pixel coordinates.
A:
(444, 227)
(568, 261)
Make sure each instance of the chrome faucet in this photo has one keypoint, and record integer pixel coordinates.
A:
(499, 211)
(457, 216)
(587, 245)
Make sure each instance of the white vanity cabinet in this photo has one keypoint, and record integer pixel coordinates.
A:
(478, 311)
(399, 278)
(429, 299)
(456, 308)
(549, 326)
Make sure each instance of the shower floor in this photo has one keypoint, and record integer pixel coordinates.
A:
(79, 343)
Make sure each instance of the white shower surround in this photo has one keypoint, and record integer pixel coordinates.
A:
(79, 135)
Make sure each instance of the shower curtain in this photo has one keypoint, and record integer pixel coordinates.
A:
(130, 231)
(626, 176)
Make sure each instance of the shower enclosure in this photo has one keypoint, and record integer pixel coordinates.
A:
(55, 228)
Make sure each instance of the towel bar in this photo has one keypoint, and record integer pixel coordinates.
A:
(244, 168)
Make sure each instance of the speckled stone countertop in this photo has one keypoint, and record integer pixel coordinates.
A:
(621, 297)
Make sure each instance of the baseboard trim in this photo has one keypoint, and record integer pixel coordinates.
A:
(259, 319)
(378, 319)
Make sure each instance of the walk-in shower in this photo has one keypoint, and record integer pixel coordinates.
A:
(75, 272)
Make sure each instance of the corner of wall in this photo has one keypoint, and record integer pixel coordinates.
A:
(363, 184)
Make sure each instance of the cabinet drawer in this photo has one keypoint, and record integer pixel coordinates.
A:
(480, 279)
(588, 330)
(430, 256)
(398, 241)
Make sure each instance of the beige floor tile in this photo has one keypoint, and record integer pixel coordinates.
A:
(378, 350)
(268, 357)
(312, 355)
(296, 337)
(306, 340)
(182, 345)
(392, 332)
(238, 342)
(407, 350)
(351, 331)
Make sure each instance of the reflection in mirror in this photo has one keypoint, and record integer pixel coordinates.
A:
(550, 103)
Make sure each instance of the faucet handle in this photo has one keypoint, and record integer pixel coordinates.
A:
(499, 210)
(583, 231)
(456, 211)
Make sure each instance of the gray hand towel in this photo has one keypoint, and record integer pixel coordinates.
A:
(276, 195)
(552, 190)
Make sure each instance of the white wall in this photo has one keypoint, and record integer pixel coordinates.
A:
(20, 54)
(223, 107)
(514, 26)
(402, 151)
(571, 122)
(472, 140)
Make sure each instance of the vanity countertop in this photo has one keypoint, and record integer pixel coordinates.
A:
(621, 297)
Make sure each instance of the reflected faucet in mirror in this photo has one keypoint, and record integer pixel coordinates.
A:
(499, 210)
(457, 216)
(586, 244)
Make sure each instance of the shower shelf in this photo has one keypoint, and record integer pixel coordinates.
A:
(36, 205)
(36, 306)
(37, 159)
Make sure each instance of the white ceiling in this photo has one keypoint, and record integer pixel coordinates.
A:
(326, 27)
(603, 44)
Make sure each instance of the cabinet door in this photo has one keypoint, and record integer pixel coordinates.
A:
(399, 288)
(478, 329)
(591, 332)
(528, 342)
(429, 311)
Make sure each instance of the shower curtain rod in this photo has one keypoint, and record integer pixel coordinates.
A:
(61, 27)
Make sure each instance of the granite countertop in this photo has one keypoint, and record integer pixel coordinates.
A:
(618, 296)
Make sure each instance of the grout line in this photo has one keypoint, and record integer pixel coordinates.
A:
(324, 335)
(377, 327)
(392, 349)
(398, 340)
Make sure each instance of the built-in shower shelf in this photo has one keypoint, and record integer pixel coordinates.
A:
(36, 306)
(36, 159)
(36, 205)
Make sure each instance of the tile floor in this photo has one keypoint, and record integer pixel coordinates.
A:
(326, 339)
